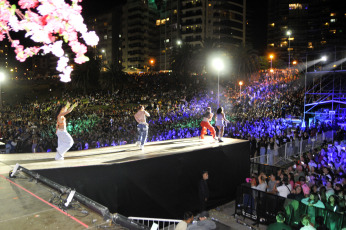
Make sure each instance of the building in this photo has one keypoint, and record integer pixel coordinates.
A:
(140, 40)
(168, 25)
(296, 29)
(4, 55)
(223, 21)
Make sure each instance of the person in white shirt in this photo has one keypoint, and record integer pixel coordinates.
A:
(188, 218)
(284, 188)
(221, 122)
(306, 221)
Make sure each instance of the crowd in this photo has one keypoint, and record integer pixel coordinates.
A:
(106, 118)
(317, 180)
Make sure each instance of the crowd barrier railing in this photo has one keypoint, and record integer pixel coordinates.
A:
(262, 207)
(267, 169)
(288, 150)
(164, 224)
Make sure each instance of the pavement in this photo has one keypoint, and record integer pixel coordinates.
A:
(225, 215)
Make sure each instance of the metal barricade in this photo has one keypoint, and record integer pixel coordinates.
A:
(262, 207)
(166, 224)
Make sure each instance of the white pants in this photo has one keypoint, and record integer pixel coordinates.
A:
(65, 142)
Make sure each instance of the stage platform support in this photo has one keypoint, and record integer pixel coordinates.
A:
(164, 186)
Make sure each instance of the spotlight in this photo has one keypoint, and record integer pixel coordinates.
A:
(324, 58)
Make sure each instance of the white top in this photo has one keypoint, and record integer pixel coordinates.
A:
(284, 190)
(219, 120)
(181, 226)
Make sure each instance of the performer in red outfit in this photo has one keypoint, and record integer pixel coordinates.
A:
(206, 125)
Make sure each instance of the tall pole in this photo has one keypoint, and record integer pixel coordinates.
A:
(0, 96)
(306, 72)
(289, 50)
(240, 91)
(218, 89)
(271, 62)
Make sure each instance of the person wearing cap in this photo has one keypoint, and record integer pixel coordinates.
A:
(203, 191)
(207, 117)
(188, 218)
(203, 222)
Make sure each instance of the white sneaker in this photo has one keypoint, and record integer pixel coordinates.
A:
(138, 143)
(141, 147)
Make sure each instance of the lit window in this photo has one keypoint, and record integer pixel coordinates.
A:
(105, 37)
(333, 20)
(332, 31)
(323, 42)
(326, 24)
(175, 11)
(167, 19)
(332, 14)
(271, 44)
(163, 21)
(167, 40)
(272, 25)
(209, 4)
(295, 6)
(119, 35)
(157, 22)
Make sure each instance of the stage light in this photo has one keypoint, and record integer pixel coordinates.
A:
(69, 198)
(324, 58)
(14, 170)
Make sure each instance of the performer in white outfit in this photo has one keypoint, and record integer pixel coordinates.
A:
(221, 122)
(65, 140)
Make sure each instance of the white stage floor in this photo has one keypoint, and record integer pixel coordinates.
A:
(109, 155)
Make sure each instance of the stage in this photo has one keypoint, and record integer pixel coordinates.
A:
(159, 182)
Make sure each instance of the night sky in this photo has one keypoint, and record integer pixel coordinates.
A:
(93, 7)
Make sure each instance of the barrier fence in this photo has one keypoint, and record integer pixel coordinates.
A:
(293, 148)
(267, 169)
(164, 224)
(262, 207)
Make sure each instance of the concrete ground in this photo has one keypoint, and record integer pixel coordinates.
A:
(225, 214)
(26, 204)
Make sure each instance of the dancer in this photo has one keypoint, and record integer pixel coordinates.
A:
(65, 140)
(142, 126)
(221, 122)
(206, 125)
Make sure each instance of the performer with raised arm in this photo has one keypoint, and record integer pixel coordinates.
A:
(208, 116)
(221, 122)
(142, 126)
(65, 140)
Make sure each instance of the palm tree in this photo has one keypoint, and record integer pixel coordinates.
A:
(112, 78)
(182, 59)
(209, 46)
(87, 74)
(245, 61)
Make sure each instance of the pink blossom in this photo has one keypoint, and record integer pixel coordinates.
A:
(26, 4)
(15, 43)
(48, 22)
(2, 37)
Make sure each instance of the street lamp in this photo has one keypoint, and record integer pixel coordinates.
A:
(240, 84)
(271, 60)
(2, 78)
(289, 48)
(218, 65)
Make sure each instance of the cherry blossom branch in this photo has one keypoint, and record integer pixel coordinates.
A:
(50, 23)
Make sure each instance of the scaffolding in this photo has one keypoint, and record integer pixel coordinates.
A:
(325, 96)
